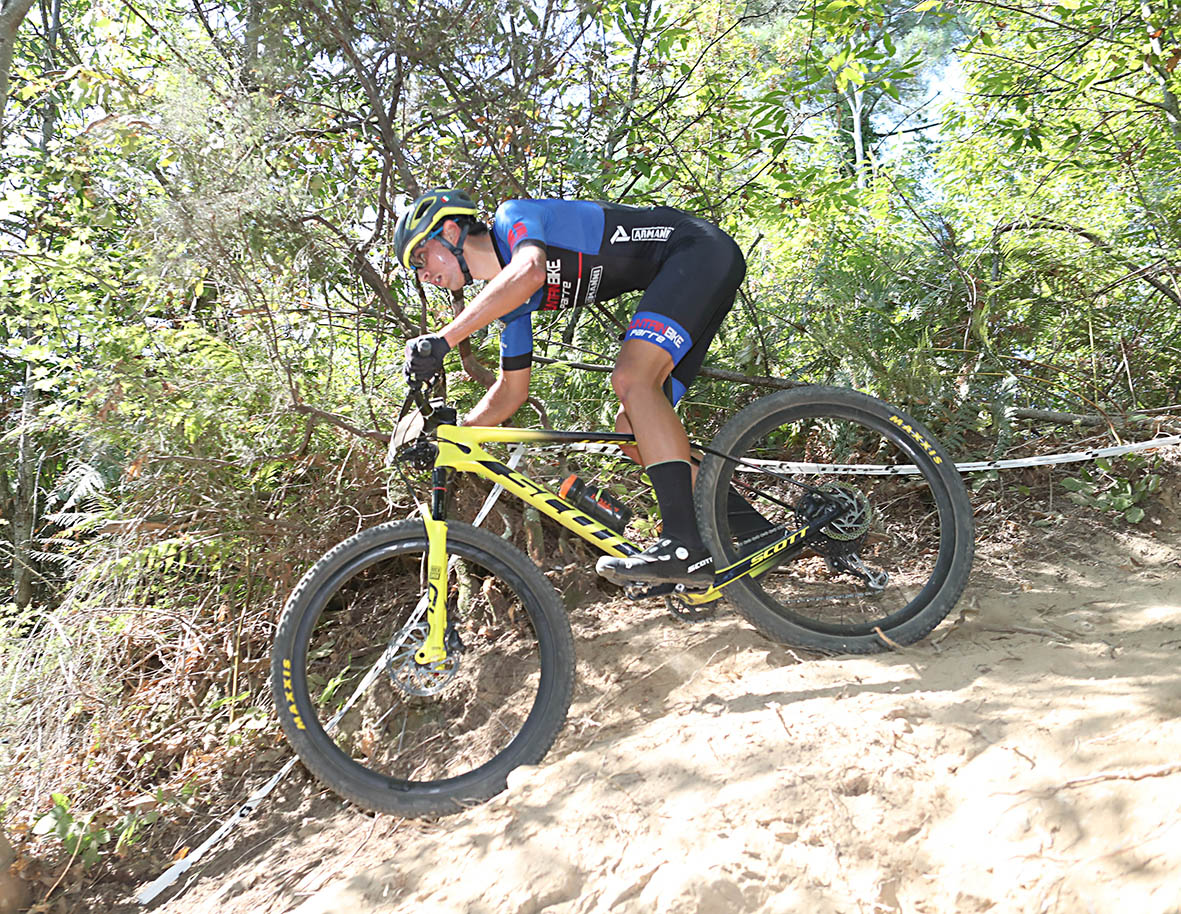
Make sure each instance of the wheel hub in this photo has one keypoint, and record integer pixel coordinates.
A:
(848, 528)
(415, 678)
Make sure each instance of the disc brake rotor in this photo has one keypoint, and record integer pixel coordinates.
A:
(852, 523)
(414, 678)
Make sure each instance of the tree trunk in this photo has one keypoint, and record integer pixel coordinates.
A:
(14, 891)
(249, 76)
(633, 89)
(1155, 29)
(24, 507)
(53, 30)
(12, 12)
(856, 98)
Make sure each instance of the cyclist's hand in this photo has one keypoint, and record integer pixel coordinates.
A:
(424, 356)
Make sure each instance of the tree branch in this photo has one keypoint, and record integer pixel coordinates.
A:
(340, 422)
(368, 272)
(1055, 226)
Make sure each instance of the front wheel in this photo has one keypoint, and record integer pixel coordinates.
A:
(884, 572)
(396, 736)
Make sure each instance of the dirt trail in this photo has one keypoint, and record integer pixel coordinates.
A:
(1025, 758)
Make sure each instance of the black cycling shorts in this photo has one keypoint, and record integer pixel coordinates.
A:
(686, 301)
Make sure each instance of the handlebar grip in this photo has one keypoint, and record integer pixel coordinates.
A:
(422, 347)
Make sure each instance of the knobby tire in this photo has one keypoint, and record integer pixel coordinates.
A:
(918, 527)
(406, 753)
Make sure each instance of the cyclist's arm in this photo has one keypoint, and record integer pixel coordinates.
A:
(504, 397)
(508, 289)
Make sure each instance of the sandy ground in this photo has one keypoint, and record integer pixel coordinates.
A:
(1025, 758)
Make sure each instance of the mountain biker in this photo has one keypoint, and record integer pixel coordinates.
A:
(548, 255)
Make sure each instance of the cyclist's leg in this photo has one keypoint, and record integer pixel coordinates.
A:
(679, 556)
(638, 380)
(679, 315)
(624, 427)
(745, 519)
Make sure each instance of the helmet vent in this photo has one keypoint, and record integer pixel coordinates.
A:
(423, 206)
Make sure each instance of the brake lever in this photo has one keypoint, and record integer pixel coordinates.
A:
(417, 393)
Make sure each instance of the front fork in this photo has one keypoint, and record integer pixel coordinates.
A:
(434, 649)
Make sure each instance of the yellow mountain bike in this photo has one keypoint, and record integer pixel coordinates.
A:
(417, 663)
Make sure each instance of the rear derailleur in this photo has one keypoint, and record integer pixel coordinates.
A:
(843, 536)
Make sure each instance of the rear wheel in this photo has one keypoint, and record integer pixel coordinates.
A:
(396, 736)
(888, 569)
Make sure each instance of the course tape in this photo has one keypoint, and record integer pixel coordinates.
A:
(978, 466)
(909, 469)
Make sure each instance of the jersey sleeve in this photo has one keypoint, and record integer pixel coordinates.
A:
(516, 343)
(518, 222)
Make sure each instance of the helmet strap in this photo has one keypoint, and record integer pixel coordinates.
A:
(457, 250)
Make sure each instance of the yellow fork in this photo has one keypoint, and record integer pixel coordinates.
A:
(434, 650)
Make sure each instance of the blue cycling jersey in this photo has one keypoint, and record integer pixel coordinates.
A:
(593, 252)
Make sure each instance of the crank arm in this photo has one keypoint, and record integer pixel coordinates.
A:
(782, 550)
(640, 592)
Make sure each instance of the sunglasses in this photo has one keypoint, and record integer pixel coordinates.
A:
(418, 255)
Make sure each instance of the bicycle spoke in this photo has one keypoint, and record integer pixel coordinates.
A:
(891, 554)
(412, 722)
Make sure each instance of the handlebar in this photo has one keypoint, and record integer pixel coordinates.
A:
(434, 412)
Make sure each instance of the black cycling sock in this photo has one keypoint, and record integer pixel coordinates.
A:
(673, 482)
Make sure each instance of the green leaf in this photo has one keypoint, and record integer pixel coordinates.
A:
(1134, 515)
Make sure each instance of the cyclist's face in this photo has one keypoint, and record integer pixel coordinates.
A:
(437, 265)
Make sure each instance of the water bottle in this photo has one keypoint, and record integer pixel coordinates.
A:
(598, 503)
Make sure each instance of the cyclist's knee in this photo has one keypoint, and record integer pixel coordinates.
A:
(641, 373)
(623, 382)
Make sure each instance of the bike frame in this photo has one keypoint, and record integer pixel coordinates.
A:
(460, 450)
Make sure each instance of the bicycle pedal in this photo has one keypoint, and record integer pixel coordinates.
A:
(642, 592)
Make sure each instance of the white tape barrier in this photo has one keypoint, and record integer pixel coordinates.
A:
(152, 890)
(909, 469)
